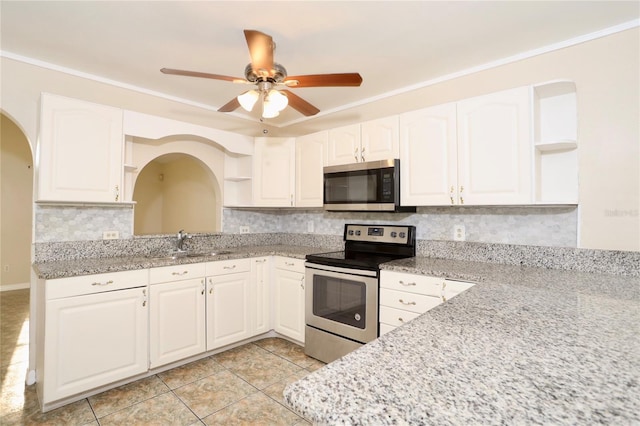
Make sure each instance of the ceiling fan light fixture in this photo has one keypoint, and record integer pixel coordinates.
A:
(269, 109)
(248, 99)
(278, 99)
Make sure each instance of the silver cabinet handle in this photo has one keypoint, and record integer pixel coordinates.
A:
(102, 284)
(302, 283)
(180, 273)
(406, 284)
(355, 154)
(406, 303)
(261, 260)
(229, 267)
(362, 154)
(401, 320)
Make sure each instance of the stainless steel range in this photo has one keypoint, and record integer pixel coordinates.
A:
(341, 296)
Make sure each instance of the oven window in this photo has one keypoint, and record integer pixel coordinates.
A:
(340, 300)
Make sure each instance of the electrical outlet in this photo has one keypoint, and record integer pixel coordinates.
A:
(459, 233)
(310, 226)
(110, 235)
(244, 229)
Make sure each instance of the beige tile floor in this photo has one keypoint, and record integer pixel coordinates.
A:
(240, 386)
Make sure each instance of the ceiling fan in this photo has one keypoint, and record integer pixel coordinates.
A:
(269, 77)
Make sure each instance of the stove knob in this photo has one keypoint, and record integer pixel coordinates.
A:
(358, 233)
(402, 235)
(394, 234)
(351, 232)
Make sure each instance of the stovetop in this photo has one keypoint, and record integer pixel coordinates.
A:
(367, 246)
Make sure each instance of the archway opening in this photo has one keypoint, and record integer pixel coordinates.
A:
(173, 192)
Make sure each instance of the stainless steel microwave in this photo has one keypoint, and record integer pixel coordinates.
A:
(370, 186)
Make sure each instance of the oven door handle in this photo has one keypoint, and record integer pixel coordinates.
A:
(339, 270)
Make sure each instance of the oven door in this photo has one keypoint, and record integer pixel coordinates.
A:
(342, 301)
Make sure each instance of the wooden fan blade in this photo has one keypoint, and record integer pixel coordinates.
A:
(261, 50)
(326, 80)
(300, 105)
(229, 106)
(201, 75)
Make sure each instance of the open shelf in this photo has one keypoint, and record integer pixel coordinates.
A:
(556, 142)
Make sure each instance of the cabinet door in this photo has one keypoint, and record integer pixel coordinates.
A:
(80, 149)
(494, 148)
(260, 295)
(274, 172)
(289, 304)
(344, 145)
(177, 328)
(310, 156)
(228, 313)
(380, 139)
(428, 156)
(93, 340)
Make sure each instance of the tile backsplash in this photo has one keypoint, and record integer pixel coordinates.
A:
(555, 226)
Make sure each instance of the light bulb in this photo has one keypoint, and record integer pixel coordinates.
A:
(278, 99)
(269, 109)
(248, 99)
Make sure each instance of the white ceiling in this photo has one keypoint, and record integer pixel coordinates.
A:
(392, 44)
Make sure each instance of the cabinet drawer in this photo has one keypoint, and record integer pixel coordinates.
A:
(395, 317)
(408, 301)
(224, 267)
(290, 264)
(453, 288)
(97, 283)
(420, 284)
(176, 272)
(385, 328)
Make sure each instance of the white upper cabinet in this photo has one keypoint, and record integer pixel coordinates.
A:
(344, 145)
(369, 141)
(80, 151)
(380, 139)
(473, 152)
(494, 148)
(310, 157)
(274, 172)
(428, 156)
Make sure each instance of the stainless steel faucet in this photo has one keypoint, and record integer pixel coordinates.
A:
(180, 240)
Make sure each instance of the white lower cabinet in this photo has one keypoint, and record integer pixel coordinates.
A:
(229, 308)
(177, 326)
(289, 290)
(260, 294)
(404, 297)
(92, 331)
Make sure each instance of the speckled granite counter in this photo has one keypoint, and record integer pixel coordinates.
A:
(523, 346)
(70, 268)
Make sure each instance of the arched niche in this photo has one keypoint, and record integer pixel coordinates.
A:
(183, 158)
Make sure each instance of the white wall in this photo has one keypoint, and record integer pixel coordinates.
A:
(16, 177)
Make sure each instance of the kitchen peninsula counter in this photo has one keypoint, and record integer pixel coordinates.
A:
(522, 346)
(90, 266)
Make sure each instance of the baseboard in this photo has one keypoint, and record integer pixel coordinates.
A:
(9, 287)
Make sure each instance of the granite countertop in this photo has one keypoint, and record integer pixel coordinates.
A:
(522, 346)
(71, 268)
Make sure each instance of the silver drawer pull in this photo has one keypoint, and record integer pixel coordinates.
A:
(102, 284)
(400, 319)
(180, 273)
(261, 260)
(229, 267)
(406, 284)
(406, 303)
(289, 263)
